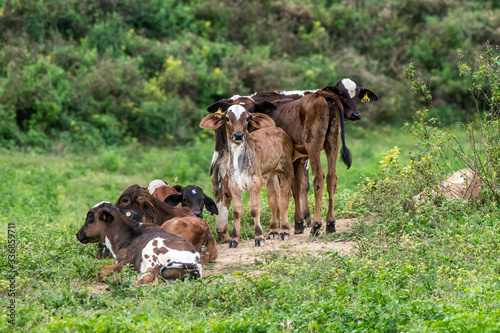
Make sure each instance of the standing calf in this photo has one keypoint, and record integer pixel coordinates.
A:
(254, 159)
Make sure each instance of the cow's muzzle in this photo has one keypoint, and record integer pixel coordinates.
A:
(355, 116)
(238, 136)
(82, 238)
(198, 213)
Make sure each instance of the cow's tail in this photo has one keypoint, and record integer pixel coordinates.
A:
(345, 153)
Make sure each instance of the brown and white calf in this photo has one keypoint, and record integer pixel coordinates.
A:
(178, 221)
(316, 125)
(150, 250)
(160, 189)
(253, 160)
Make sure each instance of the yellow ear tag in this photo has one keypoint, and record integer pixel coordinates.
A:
(128, 213)
(365, 98)
(219, 111)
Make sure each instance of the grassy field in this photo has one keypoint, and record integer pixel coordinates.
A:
(438, 271)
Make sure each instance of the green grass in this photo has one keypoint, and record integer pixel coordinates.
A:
(440, 273)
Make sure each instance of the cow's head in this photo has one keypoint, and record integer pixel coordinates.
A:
(349, 93)
(138, 198)
(236, 120)
(97, 223)
(193, 197)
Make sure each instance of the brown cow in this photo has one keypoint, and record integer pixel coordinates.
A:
(160, 189)
(150, 250)
(252, 160)
(314, 124)
(178, 221)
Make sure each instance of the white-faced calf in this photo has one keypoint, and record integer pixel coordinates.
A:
(253, 160)
(150, 250)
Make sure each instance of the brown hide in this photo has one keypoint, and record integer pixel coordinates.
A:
(157, 212)
(129, 240)
(153, 210)
(254, 159)
(310, 133)
(197, 232)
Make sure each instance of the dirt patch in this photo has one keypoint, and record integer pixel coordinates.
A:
(100, 288)
(247, 253)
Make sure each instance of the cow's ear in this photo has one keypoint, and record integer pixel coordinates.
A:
(265, 107)
(213, 121)
(366, 95)
(260, 120)
(221, 105)
(178, 188)
(106, 216)
(211, 206)
(173, 199)
(332, 89)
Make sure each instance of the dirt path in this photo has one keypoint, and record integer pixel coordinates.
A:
(247, 253)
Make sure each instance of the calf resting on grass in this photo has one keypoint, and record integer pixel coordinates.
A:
(150, 250)
(178, 221)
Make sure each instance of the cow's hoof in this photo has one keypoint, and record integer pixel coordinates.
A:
(260, 242)
(285, 236)
(273, 235)
(299, 227)
(330, 227)
(315, 229)
(233, 244)
(309, 224)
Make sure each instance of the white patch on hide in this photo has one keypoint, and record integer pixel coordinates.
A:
(163, 259)
(350, 86)
(101, 203)
(194, 191)
(108, 245)
(154, 185)
(237, 110)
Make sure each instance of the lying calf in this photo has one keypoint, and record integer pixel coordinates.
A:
(150, 249)
(192, 196)
(178, 221)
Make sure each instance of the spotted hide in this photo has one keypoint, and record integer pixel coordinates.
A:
(151, 251)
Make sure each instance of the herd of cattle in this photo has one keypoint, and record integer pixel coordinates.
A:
(266, 139)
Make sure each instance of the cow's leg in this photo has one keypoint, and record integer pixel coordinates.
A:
(222, 198)
(300, 189)
(284, 200)
(273, 200)
(254, 207)
(318, 184)
(237, 213)
(108, 270)
(331, 150)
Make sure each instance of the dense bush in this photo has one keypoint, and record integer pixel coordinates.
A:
(86, 73)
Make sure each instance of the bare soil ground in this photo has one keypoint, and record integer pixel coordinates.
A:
(246, 252)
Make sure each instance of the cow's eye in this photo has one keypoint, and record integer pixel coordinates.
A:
(227, 119)
(125, 200)
(247, 119)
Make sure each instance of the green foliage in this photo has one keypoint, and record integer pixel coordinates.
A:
(87, 74)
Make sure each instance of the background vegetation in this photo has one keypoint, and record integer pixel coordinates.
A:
(91, 91)
(82, 74)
